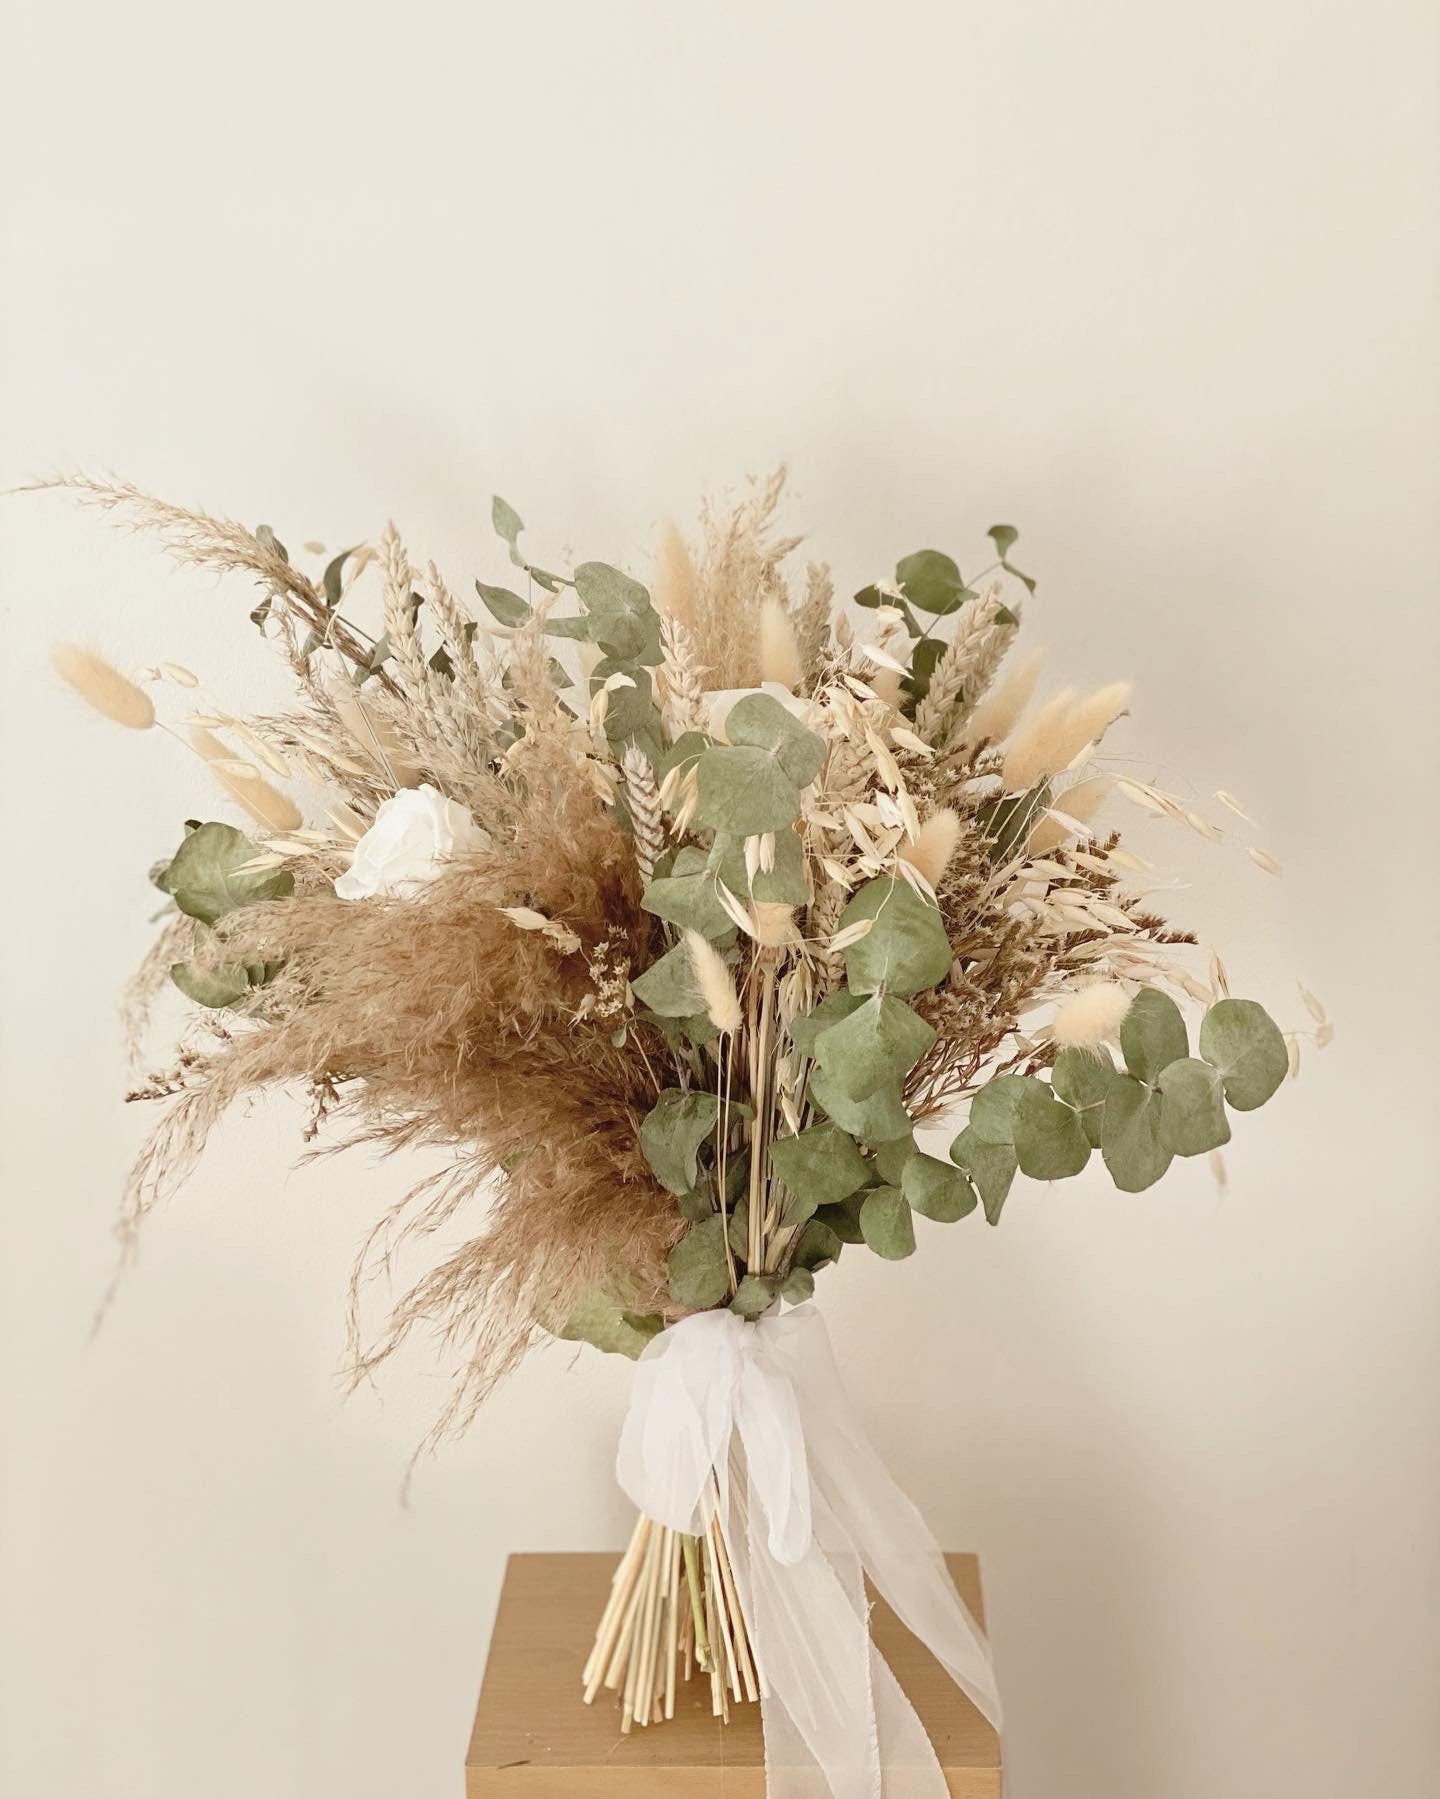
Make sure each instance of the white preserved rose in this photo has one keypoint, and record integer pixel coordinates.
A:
(414, 833)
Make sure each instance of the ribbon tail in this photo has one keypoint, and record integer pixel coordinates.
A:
(890, 1536)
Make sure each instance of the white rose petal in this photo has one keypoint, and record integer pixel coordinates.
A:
(415, 832)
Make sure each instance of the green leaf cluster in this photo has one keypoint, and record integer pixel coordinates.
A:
(207, 877)
(1164, 1102)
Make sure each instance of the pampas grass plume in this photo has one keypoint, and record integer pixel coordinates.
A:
(1058, 733)
(677, 584)
(1091, 1016)
(933, 848)
(713, 979)
(102, 686)
(779, 652)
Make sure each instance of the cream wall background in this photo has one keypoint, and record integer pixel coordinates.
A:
(1155, 281)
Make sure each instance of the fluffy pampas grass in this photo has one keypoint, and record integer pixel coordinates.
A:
(779, 651)
(1059, 731)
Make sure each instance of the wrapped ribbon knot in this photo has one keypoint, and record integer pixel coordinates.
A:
(749, 1422)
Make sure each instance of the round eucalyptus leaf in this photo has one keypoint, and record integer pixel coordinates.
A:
(1130, 1139)
(1050, 1142)
(820, 1166)
(835, 1006)
(755, 1295)
(930, 580)
(672, 1132)
(816, 1247)
(843, 1219)
(602, 588)
(991, 1166)
(760, 721)
(799, 1286)
(744, 791)
(669, 986)
(1152, 1034)
(886, 1224)
(207, 876)
(905, 949)
(890, 1160)
(699, 1276)
(599, 1318)
(877, 1045)
(1240, 1038)
(1082, 1077)
(1192, 1108)
(222, 985)
(936, 1189)
(879, 1119)
(993, 1109)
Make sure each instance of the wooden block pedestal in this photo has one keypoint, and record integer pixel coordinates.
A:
(535, 1739)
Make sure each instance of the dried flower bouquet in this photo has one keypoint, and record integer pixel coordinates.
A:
(670, 913)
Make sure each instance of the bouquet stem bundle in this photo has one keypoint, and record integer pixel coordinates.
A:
(673, 1610)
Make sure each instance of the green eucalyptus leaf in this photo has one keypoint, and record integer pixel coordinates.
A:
(744, 791)
(1004, 538)
(755, 1295)
(799, 1286)
(688, 897)
(876, 1046)
(1240, 1038)
(930, 580)
(737, 1229)
(1130, 1139)
(207, 876)
(669, 986)
(905, 949)
(820, 1166)
(783, 882)
(605, 589)
(886, 1223)
(1152, 1034)
(671, 1135)
(843, 1219)
(506, 520)
(600, 1319)
(697, 1203)
(222, 985)
(890, 1160)
(991, 1166)
(1192, 1108)
(1082, 1077)
(505, 607)
(936, 1189)
(1010, 820)
(993, 1109)
(816, 1247)
(806, 1029)
(1050, 1142)
(927, 653)
(879, 1119)
(761, 722)
(699, 1274)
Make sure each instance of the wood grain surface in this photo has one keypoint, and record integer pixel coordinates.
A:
(535, 1739)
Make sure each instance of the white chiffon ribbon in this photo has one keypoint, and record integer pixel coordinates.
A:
(808, 1509)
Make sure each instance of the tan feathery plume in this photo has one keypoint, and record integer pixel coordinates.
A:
(646, 816)
(1092, 1015)
(953, 676)
(933, 848)
(994, 718)
(885, 685)
(102, 686)
(713, 979)
(677, 582)
(773, 923)
(1059, 732)
(1080, 803)
(266, 804)
(779, 650)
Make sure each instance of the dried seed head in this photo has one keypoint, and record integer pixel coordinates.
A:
(102, 686)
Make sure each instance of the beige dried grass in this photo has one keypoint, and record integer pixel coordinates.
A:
(101, 685)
